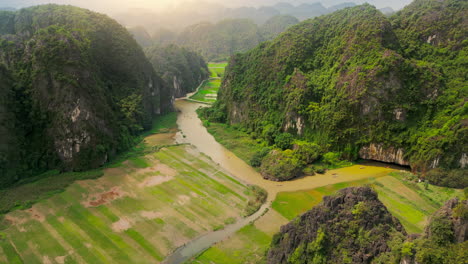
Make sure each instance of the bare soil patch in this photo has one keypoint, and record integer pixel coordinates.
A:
(161, 139)
(35, 214)
(183, 199)
(104, 198)
(122, 225)
(150, 215)
(155, 180)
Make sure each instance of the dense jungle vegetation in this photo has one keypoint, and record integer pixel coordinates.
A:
(179, 67)
(76, 89)
(356, 78)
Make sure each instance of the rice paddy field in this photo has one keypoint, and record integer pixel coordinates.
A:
(138, 212)
(208, 90)
(217, 69)
(410, 202)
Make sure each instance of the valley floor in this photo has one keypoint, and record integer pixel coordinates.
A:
(145, 207)
(138, 212)
(207, 92)
(410, 203)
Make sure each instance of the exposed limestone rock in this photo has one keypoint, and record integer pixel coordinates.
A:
(463, 160)
(379, 153)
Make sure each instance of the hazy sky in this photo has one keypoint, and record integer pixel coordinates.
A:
(113, 6)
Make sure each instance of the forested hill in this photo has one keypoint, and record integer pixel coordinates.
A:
(183, 70)
(218, 41)
(75, 89)
(363, 85)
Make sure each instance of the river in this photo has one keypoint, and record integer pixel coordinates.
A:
(192, 131)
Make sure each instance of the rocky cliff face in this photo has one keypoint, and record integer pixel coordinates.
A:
(358, 82)
(81, 89)
(379, 153)
(352, 226)
(182, 69)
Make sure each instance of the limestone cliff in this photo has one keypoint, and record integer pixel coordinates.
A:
(361, 84)
(384, 154)
(80, 90)
(181, 68)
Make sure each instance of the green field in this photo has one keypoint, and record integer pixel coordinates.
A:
(236, 140)
(208, 90)
(249, 237)
(31, 190)
(410, 202)
(217, 70)
(401, 197)
(138, 212)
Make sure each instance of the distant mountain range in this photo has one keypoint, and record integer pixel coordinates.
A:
(188, 14)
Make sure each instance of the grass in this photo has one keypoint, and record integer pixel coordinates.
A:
(217, 64)
(29, 191)
(143, 224)
(247, 237)
(23, 196)
(237, 141)
(402, 200)
(292, 204)
(410, 202)
(208, 91)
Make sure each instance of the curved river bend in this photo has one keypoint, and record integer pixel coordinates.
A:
(192, 131)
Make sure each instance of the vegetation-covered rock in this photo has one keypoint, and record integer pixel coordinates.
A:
(182, 69)
(221, 40)
(357, 82)
(277, 25)
(444, 241)
(352, 226)
(75, 90)
(281, 166)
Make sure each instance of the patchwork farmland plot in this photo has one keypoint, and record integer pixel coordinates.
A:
(138, 212)
(411, 203)
(208, 90)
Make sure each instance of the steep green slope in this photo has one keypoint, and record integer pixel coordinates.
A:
(220, 40)
(181, 68)
(346, 82)
(141, 36)
(277, 25)
(81, 89)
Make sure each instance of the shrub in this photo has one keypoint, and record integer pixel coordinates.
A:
(269, 133)
(453, 178)
(258, 156)
(309, 170)
(258, 197)
(331, 158)
(320, 169)
(440, 230)
(284, 141)
(281, 166)
(306, 151)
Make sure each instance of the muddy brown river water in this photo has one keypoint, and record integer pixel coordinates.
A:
(192, 131)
